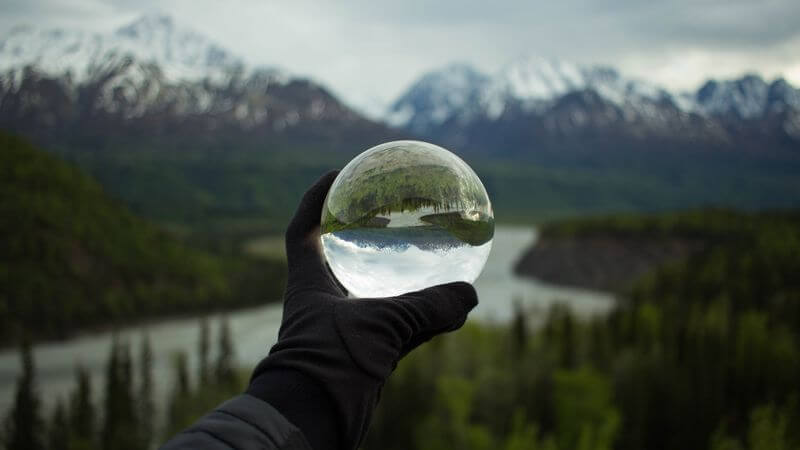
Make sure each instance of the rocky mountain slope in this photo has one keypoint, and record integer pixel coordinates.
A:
(153, 77)
(185, 132)
(554, 105)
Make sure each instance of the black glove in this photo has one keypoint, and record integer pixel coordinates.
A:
(348, 346)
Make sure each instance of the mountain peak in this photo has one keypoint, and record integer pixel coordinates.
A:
(156, 38)
(439, 94)
(745, 97)
(146, 24)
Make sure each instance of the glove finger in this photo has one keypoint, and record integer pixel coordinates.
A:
(379, 331)
(435, 310)
(307, 269)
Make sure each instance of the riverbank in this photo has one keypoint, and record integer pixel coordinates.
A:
(599, 262)
(254, 330)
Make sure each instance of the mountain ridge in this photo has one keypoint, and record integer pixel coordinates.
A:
(74, 258)
(562, 99)
(155, 77)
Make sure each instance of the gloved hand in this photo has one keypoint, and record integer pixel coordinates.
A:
(350, 346)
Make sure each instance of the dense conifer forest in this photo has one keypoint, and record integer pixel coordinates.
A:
(702, 353)
(73, 258)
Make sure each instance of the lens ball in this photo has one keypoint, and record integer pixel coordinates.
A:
(403, 216)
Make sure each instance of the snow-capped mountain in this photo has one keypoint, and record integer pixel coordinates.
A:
(180, 53)
(749, 97)
(534, 99)
(158, 76)
(437, 96)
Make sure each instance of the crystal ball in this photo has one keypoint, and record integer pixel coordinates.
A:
(403, 216)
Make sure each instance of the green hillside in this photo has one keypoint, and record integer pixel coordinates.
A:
(216, 186)
(702, 353)
(71, 257)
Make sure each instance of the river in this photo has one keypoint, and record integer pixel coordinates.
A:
(254, 330)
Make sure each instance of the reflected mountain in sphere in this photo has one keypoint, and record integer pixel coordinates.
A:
(403, 216)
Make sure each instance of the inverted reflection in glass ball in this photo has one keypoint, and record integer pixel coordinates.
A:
(403, 216)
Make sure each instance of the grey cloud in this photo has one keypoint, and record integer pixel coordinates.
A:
(372, 48)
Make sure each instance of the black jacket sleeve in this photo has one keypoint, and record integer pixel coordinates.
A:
(242, 423)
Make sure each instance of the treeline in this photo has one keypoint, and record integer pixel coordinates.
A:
(72, 258)
(701, 354)
(127, 416)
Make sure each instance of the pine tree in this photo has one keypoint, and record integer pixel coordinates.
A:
(224, 367)
(180, 392)
(59, 434)
(24, 424)
(145, 401)
(569, 353)
(82, 413)
(519, 329)
(182, 386)
(111, 417)
(204, 345)
(119, 426)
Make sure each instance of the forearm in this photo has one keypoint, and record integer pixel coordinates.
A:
(240, 423)
(303, 402)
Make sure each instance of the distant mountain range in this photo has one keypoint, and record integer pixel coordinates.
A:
(184, 131)
(153, 77)
(553, 104)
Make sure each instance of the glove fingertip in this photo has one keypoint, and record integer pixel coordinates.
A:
(465, 292)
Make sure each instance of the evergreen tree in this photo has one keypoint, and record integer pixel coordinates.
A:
(82, 413)
(110, 418)
(225, 355)
(204, 345)
(59, 433)
(181, 391)
(24, 425)
(519, 329)
(182, 386)
(145, 401)
(569, 352)
(119, 426)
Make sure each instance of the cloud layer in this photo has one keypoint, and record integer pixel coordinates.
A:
(369, 51)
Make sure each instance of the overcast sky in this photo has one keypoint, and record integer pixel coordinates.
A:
(371, 50)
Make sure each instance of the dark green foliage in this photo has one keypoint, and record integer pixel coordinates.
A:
(459, 204)
(188, 403)
(224, 368)
(606, 183)
(59, 433)
(477, 231)
(72, 258)
(177, 415)
(701, 354)
(119, 429)
(519, 329)
(204, 346)
(82, 414)
(24, 424)
(146, 408)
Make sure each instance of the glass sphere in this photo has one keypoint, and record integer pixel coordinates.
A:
(403, 216)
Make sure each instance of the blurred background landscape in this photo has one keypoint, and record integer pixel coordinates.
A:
(643, 162)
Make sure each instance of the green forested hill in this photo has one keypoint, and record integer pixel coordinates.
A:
(701, 353)
(71, 257)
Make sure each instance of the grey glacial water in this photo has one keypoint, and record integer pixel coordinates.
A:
(255, 330)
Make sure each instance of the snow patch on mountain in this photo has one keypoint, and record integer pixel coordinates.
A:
(438, 96)
(534, 85)
(180, 53)
(460, 92)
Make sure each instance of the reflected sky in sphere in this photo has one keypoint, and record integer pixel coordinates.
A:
(371, 271)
